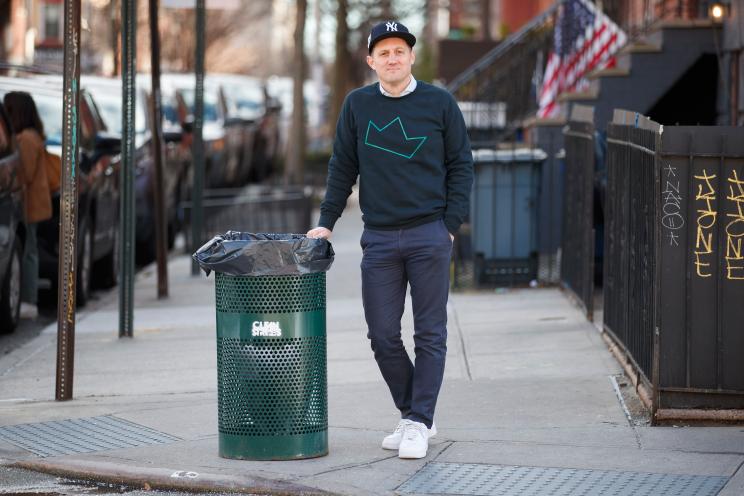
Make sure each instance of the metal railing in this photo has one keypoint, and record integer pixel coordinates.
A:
(577, 246)
(629, 258)
(674, 263)
(498, 89)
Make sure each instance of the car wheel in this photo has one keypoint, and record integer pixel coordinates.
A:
(85, 265)
(109, 274)
(10, 298)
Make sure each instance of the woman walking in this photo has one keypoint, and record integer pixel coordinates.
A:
(29, 132)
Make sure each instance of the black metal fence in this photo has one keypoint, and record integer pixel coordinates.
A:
(674, 264)
(255, 209)
(577, 247)
(630, 250)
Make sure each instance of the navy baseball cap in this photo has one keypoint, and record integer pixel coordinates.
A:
(389, 29)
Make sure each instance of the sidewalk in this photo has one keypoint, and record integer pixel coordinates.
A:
(528, 384)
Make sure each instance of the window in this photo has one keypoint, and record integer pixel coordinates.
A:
(53, 16)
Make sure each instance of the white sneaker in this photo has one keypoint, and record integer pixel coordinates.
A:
(28, 311)
(392, 442)
(415, 441)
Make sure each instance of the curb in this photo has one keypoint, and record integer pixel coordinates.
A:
(148, 478)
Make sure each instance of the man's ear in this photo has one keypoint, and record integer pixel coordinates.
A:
(413, 56)
(370, 62)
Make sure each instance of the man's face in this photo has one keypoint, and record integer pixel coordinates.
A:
(392, 59)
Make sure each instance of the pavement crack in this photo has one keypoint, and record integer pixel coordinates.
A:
(628, 416)
(449, 445)
(177, 393)
(461, 337)
(28, 357)
(354, 465)
(361, 429)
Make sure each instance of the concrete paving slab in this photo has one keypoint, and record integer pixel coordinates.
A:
(516, 403)
(723, 439)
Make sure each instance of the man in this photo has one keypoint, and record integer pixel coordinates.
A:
(407, 142)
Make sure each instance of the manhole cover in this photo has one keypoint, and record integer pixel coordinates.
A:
(82, 435)
(504, 480)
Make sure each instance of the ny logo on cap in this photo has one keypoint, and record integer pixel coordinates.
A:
(391, 26)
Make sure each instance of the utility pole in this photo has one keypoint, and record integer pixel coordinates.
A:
(126, 221)
(197, 212)
(161, 226)
(68, 236)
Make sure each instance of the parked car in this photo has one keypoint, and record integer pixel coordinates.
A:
(240, 127)
(108, 97)
(178, 105)
(245, 103)
(12, 229)
(316, 102)
(98, 206)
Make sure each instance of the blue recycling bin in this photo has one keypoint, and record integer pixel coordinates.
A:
(503, 215)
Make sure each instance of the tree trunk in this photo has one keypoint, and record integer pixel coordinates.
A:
(341, 66)
(386, 6)
(293, 172)
(115, 34)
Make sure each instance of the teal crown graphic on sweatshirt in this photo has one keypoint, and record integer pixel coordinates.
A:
(392, 138)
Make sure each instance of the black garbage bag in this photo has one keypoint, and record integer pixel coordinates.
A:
(261, 254)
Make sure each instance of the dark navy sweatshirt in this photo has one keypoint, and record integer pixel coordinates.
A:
(411, 155)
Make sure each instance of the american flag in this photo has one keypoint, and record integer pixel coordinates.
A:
(584, 40)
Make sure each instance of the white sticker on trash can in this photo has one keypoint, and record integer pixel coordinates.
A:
(264, 328)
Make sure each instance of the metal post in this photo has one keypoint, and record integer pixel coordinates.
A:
(158, 154)
(68, 205)
(128, 73)
(198, 145)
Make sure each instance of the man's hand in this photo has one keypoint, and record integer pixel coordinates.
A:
(319, 232)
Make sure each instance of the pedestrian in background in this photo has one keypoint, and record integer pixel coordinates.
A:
(406, 141)
(29, 134)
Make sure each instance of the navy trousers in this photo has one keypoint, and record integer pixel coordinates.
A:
(392, 260)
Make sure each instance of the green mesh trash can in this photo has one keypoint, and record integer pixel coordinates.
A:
(271, 364)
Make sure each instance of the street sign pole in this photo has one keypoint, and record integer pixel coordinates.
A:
(158, 153)
(197, 213)
(68, 204)
(126, 239)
